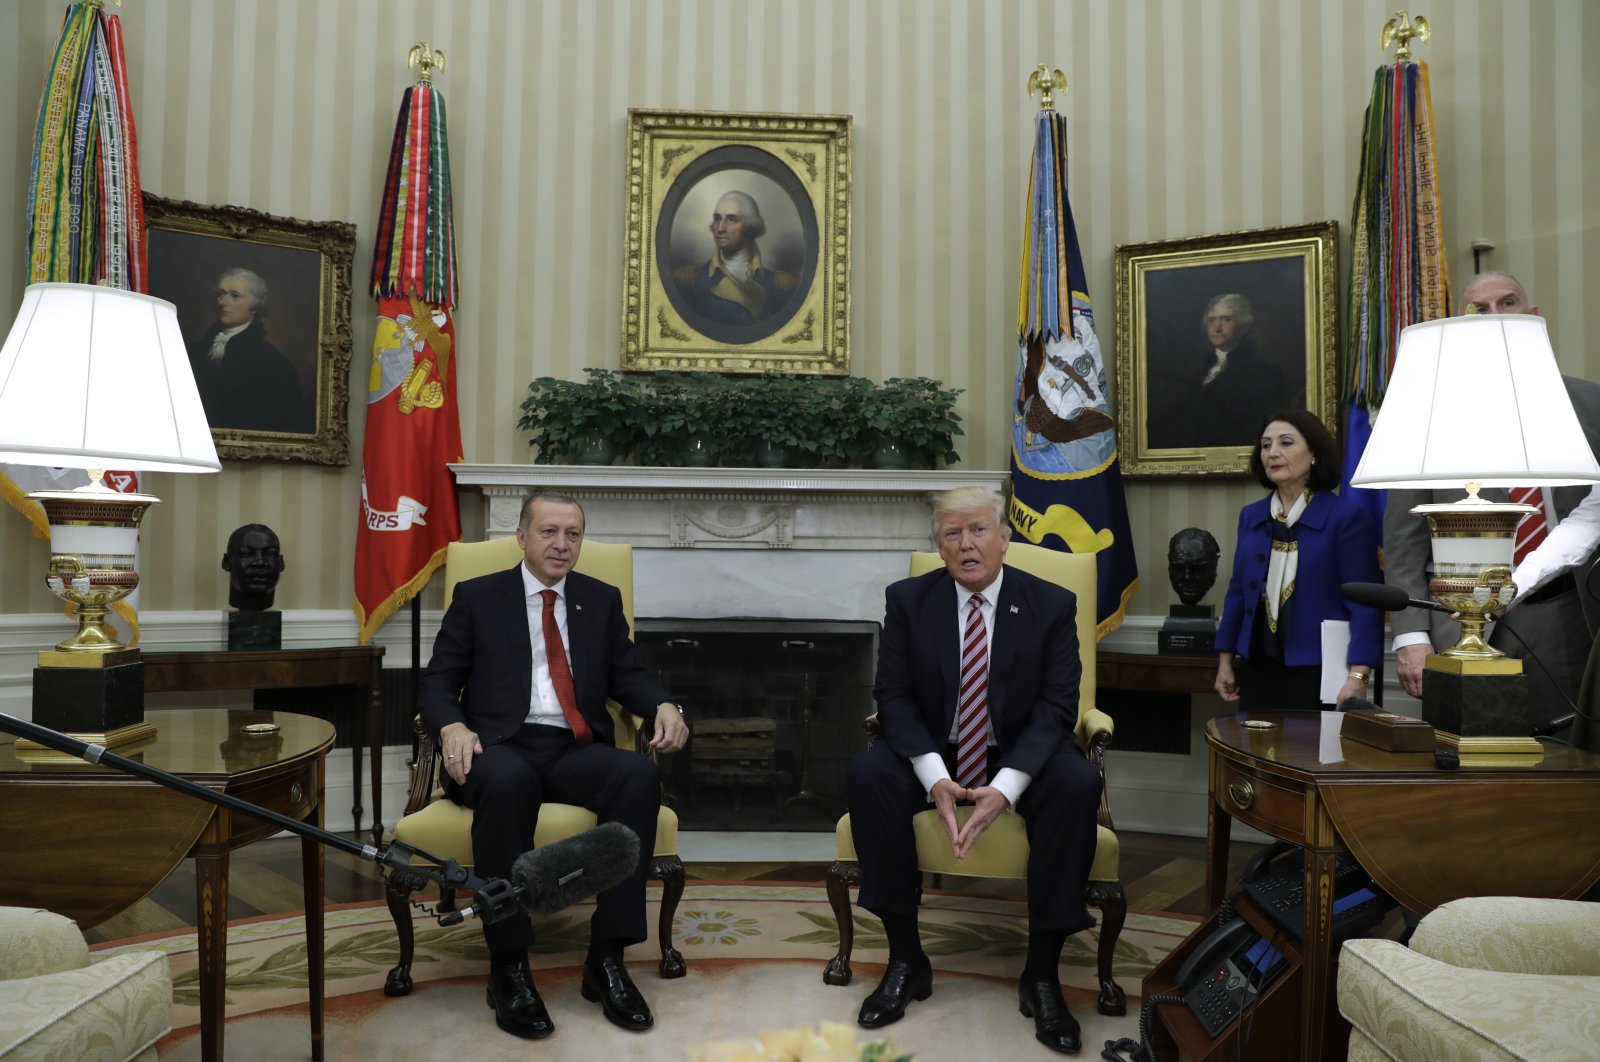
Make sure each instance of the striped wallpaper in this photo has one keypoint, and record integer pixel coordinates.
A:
(1185, 117)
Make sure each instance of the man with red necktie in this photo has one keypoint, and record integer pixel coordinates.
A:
(516, 694)
(1548, 612)
(977, 693)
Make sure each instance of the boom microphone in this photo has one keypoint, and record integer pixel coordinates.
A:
(560, 874)
(1389, 598)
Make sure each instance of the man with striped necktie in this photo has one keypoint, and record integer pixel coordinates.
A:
(1548, 612)
(977, 693)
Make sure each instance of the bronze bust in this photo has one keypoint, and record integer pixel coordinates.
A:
(1192, 563)
(253, 562)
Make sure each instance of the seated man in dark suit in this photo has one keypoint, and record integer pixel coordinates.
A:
(518, 725)
(957, 729)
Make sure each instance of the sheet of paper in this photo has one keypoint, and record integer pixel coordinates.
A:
(1335, 647)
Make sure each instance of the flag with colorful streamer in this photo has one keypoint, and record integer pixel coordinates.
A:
(85, 211)
(1066, 486)
(408, 495)
(1399, 274)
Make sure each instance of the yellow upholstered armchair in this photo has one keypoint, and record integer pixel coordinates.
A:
(1002, 851)
(440, 826)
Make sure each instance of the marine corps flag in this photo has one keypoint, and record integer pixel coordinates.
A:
(1399, 274)
(408, 496)
(85, 212)
(1066, 488)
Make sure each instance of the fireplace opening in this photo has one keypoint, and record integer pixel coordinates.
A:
(775, 710)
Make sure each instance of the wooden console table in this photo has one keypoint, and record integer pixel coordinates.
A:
(357, 669)
(86, 841)
(1153, 673)
(1425, 835)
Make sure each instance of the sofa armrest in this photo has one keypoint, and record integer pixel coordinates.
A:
(1513, 934)
(35, 942)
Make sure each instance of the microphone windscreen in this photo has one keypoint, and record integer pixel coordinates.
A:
(1376, 595)
(1353, 704)
(564, 872)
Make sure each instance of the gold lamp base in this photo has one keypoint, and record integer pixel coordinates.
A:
(110, 739)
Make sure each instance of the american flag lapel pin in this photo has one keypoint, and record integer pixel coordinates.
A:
(1013, 610)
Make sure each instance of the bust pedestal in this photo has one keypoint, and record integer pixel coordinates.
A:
(1188, 630)
(255, 630)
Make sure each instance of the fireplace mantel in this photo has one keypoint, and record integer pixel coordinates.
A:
(742, 542)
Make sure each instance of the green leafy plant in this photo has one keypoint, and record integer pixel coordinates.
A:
(562, 416)
(919, 414)
(817, 421)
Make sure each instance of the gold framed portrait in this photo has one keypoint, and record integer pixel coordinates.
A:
(264, 305)
(738, 255)
(1214, 334)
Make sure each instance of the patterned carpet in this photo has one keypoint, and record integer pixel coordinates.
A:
(755, 953)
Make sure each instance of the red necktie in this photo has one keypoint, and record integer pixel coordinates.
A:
(1533, 527)
(972, 706)
(555, 655)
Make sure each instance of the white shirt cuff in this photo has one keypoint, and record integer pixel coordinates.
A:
(930, 770)
(1011, 782)
(1414, 638)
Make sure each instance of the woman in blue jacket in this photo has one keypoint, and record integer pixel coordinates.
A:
(1294, 548)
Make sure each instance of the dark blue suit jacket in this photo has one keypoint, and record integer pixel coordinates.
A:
(481, 673)
(1034, 670)
(1338, 544)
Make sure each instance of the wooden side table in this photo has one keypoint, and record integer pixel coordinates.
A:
(1425, 835)
(356, 669)
(86, 841)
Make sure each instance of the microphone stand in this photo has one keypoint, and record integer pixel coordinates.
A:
(493, 899)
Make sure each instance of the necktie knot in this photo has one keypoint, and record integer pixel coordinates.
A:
(549, 599)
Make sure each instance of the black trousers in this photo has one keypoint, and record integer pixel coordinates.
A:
(1058, 807)
(505, 788)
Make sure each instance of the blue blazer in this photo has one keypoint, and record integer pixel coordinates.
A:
(1338, 544)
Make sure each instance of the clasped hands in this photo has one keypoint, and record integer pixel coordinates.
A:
(987, 804)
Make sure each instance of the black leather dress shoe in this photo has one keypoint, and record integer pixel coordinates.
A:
(902, 982)
(517, 1006)
(1052, 1025)
(609, 985)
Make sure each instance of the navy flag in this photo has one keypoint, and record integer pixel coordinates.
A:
(1066, 487)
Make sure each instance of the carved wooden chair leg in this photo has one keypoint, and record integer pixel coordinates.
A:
(669, 871)
(1113, 903)
(841, 876)
(397, 892)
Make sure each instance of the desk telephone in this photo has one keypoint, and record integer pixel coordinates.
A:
(1230, 968)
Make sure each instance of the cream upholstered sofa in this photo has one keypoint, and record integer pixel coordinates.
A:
(1002, 851)
(1487, 977)
(56, 1004)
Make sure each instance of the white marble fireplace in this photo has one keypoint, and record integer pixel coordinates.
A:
(723, 543)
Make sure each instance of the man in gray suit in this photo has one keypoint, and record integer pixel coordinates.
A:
(1551, 618)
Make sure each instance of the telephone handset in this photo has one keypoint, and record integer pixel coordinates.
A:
(1226, 972)
(1358, 904)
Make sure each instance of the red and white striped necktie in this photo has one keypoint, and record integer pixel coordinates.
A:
(1533, 528)
(972, 706)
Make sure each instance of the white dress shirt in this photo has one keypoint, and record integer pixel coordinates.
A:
(544, 708)
(930, 766)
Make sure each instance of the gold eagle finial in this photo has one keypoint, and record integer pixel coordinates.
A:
(426, 60)
(1402, 30)
(1045, 81)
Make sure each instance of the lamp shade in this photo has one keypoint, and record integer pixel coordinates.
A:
(1476, 399)
(98, 377)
